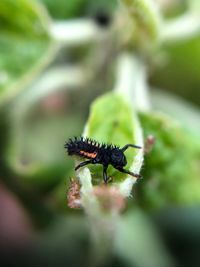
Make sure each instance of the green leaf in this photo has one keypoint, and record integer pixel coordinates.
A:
(35, 152)
(171, 170)
(183, 111)
(25, 47)
(179, 72)
(62, 9)
(111, 121)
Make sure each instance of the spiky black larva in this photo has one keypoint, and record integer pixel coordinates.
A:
(88, 145)
(96, 153)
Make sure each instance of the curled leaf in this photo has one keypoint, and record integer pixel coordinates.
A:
(112, 120)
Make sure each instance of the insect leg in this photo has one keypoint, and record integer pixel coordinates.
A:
(130, 173)
(105, 176)
(83, 164)
(130, 145)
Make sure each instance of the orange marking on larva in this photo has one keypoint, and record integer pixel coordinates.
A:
(89, 155)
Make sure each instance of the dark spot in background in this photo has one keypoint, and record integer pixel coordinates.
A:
(102, 18)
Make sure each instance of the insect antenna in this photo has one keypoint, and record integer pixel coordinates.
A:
(130, 145)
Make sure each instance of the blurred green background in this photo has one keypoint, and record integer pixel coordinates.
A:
(46, 88)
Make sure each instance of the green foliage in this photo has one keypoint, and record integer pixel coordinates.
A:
(36, 124)
(111, 121)
(182, 59)
(62, 9)
(23, 43)
(146, 16)
(41, 167)
(171, 170)
(138, 243)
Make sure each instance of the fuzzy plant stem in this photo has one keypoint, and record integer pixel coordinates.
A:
(75, 32)
(131, 84)
(102, 225)
(131, 81)
(182, 28)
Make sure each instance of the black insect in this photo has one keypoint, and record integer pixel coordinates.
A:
(97, 153)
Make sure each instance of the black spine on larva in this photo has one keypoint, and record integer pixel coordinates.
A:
(74, 146)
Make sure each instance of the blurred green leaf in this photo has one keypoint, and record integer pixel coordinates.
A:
(183, 111)
(145, 14)
(64, 243)
(96, 7)
(172, 9)
(171, 170)
(62, 9)
(111, 121)
(35, 151)
(138, 243)
(24, 44)
(179, 69)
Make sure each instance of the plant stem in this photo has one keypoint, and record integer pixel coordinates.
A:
(131, 84)
(182, 28)
(67, 76)
(75, 32)
(102, 224)
(131, 81)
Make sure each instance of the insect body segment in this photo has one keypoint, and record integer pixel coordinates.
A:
(96, 153)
